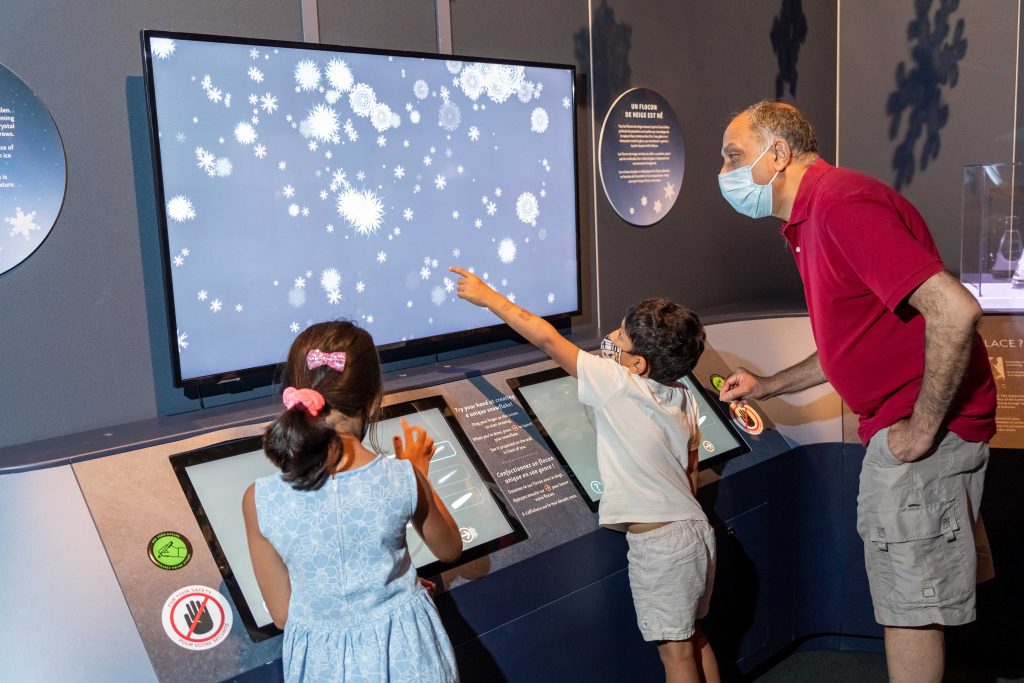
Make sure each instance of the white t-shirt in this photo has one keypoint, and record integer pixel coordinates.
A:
(645, 431)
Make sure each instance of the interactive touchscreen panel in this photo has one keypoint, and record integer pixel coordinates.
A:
(551, 399)
(307, 182)
(214, 479)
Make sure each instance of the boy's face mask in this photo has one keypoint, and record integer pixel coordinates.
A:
(610, 350)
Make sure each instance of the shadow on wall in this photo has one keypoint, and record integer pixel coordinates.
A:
(919, 91)
(789, 32)
(611, 43)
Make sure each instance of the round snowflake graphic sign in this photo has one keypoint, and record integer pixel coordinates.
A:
(33, 172)
(641, 157)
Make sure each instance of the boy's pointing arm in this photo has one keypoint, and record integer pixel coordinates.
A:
(534, 329)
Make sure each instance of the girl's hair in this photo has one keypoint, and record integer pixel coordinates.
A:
(670, 337)
(301, 445)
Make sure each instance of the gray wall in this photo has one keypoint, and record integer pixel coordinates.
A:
(709, 60)
(980, 123)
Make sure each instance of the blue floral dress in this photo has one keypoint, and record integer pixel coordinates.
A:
(357, 611)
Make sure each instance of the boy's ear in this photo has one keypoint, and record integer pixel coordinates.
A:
(639, 366)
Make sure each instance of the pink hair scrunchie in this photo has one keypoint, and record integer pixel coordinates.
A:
(311, 399)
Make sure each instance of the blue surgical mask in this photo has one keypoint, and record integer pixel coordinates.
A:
(743, 194)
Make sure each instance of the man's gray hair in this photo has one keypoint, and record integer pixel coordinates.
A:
(772, 120)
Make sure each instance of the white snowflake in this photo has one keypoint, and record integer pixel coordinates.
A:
(215, 95)
(551, 298)
(420, 89)
(227, 100)
(427, 161)
(182, 340)
(565, 105)
(369, 320)
(162, 48)
(525, 92)
(179, 209)
(245, 134)
(216, 305)
(511, 296)
(202, 295)
(657, 206)
(381, 257)
(408, 304)
(307, 75)
(456, 253)
(238, 308)
(444, 93)
(305, 211)
(460, 170)
(296, 297)
(294, 327)
(254, 100)
(643, 200)
(205, 160)
(440, 182)
(255, 74)
(362, 99)
(492, 208)
(497, 192)
(323, 194)
(471, 80)
(670, 190)
(330, 279)
(360, 287)
(527, 208)
(455, 214)
(330, 228)
(260, 151)
(350, 131)
(407, 214)
(449, 285)
(321, 124)
(339, 75)
(300, 282)
(363, 210)
(179, 260)
(416, 188)
(281, 165)
(268, 103)
(185, 252)
(438, 296)
(312, 145)
(254, 54)
(380, 117)
(414, 116)
(333, 296)
(396, 231)
(424, 273)
(449, 117)
(507, 250)
(180, 137)
(399, 172)
(477, 223)
(223, 167)
(288, 191)
(360, 176)
(293, 210)
(539, 120)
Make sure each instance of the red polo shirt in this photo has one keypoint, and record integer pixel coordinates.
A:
(861, 250)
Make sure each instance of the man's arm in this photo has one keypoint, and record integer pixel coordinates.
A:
(744, 384)
(950, 318)
(535, 330)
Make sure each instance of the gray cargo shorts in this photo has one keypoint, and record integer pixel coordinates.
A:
(924, 544)
(671, 573)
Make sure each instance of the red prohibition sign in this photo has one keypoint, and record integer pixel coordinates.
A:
(207, 599)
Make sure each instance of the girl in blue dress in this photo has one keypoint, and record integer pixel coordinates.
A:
(327, 533)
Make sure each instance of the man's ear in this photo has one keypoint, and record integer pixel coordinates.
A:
(783, 154)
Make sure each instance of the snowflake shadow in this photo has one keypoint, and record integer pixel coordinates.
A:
(612, 41)
(789, 32)
(919, 90)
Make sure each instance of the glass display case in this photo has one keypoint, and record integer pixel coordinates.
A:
(991, 266)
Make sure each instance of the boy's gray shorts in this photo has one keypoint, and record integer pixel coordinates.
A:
(924, 544)
(671, 572)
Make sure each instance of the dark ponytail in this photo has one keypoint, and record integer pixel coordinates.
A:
(306, 448)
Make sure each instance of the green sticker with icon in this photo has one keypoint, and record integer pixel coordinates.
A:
(717, 381)
(170, 550)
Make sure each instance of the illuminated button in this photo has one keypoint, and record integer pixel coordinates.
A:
(596, 486)
(708, 446)
(717, 381)
(798, 250)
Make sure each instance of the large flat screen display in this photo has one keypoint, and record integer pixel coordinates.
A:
(300, 183)
(214, 479)
(550, 397)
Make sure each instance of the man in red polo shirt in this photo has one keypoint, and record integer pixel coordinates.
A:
(895, 335)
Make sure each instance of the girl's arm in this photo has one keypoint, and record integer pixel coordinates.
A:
(271, 572)
(535, 330)
(431, 519)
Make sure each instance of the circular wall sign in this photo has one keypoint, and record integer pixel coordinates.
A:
(33, 171)
(641, 156)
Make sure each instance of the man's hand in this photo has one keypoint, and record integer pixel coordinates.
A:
(907, 442)
(471, 288)
(740, 385)
(417, 449)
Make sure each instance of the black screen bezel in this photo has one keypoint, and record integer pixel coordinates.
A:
(389, 352)
(181, 461)
(516, 383)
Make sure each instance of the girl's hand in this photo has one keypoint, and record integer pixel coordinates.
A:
(417, 449)
(471, 288)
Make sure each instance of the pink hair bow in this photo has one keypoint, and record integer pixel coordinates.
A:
(311, 399)
(315, 358)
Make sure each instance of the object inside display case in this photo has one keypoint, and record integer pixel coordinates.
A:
(992, 244)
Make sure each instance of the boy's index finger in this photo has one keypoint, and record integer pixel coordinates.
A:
(461, 271)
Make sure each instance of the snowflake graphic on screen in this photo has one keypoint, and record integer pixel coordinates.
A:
(330, 279)
(360, 287)
(162, 48)
(525, 92)
(361, 99)
(268, 103)
(180, 209)
(363, 210)
(919, 90)
(321, 124)
(216, 305)
(307, 75)
(245, 134)
(440, 182)
(182, 340)
(448, 116)
(255, 74)
(223, 167)
(296, 297)
(420, 89)
(22, 223)
(527, 208)
(438, 296)
(339, 75)
(381, 117)
(507, 250)
(539, 120)
(381, 257)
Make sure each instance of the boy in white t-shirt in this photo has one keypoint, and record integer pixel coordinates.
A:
(647, 436)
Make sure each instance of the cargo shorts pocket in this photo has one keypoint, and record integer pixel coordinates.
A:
(916, 555)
